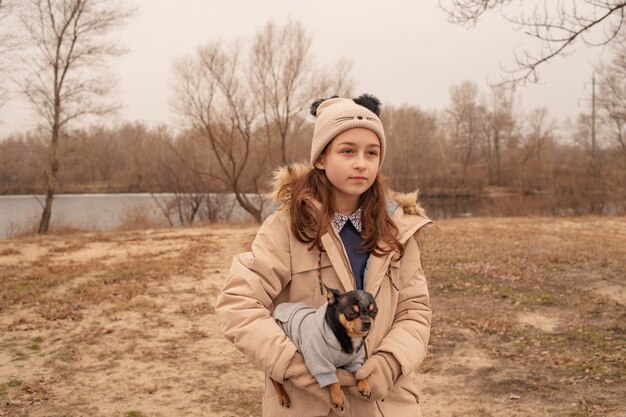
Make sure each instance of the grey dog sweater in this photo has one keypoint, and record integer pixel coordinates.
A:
(307, 328)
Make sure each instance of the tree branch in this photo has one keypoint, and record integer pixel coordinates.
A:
(557, 29)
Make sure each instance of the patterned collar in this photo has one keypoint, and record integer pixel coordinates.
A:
(339, 221)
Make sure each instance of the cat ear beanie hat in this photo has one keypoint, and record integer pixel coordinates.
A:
(336, 115)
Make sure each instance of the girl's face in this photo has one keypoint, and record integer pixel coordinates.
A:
(351, 162)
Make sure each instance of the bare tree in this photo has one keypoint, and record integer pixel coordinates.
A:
(557, 25)
(415, 157)
(499, 125)
(64, 76)
(176, 173)
(6, 43)
(5, 33)
(284, 80)
(596, 174)
(249, 102)
(612, 99)
(467, 118)
(537, 135)
(211, 94)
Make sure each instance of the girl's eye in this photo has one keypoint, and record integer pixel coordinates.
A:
(373, 154)
(347, 151)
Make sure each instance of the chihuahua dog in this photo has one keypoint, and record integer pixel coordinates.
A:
(329, 337)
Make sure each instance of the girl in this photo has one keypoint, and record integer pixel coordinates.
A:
(337, 225)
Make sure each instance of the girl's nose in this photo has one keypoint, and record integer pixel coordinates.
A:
(359, 161)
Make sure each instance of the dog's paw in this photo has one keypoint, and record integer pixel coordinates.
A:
(337, 399)
(284, 401)
(339, 409)
(364, 388)
(338, 404)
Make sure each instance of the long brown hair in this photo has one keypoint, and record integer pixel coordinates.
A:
(312, 212)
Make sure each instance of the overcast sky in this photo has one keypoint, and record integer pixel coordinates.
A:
(403, 51)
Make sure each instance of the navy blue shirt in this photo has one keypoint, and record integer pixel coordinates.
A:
(351, 239)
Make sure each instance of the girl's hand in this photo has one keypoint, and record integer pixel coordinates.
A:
(298, 374)
(382, 370)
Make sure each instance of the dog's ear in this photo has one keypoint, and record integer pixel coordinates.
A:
(332, 295)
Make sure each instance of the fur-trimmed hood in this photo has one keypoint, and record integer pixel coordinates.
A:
(285, 177)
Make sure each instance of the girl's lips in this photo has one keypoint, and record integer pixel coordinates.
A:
(357, 178)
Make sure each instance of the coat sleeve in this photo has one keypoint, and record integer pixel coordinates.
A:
(408, 337)
(243, 305)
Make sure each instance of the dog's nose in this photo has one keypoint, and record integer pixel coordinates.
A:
(366, 325)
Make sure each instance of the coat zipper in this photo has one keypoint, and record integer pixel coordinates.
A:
(346, 259)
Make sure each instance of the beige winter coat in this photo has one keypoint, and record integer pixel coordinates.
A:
(281, 269)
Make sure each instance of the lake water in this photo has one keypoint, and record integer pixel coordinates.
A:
(20, 214)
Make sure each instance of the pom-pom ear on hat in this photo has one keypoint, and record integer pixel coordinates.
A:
(336, 115)
(317, 103)
(370, 102)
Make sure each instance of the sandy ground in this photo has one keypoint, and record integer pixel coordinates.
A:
(529, 320)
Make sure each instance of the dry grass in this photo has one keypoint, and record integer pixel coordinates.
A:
(529, 319)
(496, 284)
